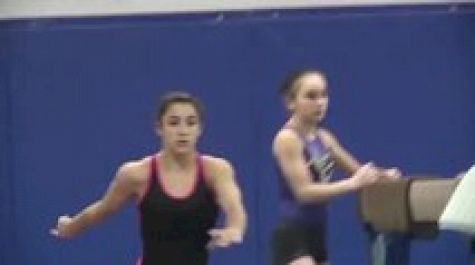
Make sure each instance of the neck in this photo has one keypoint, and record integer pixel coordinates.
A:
(302, 126)
(178, 160)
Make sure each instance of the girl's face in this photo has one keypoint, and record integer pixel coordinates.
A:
(310, 102)
(179, 128)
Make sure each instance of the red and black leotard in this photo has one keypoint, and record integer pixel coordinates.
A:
(174, 230)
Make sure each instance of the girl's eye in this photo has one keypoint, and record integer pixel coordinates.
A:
(191, 121)
(316, 94)
(173, 121)
(311, 95)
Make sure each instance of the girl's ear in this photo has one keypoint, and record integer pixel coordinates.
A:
(290, 104)
(157, 128)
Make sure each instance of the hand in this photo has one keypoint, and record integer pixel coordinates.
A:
(366, 175)
(392, 173)
(224, 237)
(63, 227)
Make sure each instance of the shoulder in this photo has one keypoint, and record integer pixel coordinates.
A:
(286, 139)
(217, 171)
(134, 171)
(325, 133)
(213, 164)
(327, 137)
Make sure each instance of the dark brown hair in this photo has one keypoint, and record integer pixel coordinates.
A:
(178, 97)
(289, 86)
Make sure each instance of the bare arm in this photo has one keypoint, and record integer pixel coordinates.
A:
(228, 197)
(288, 151)
(346, 161)
(121, 189)
(343, 159)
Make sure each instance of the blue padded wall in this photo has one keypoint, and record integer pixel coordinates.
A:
(78, 96)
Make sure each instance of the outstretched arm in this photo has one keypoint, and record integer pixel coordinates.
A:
(228, 196)
(119, 191)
